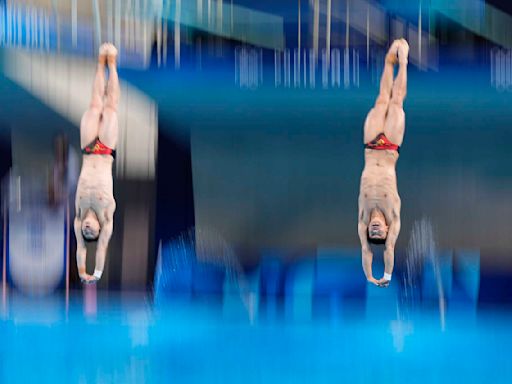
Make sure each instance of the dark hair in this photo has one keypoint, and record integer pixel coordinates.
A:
(90, 240)
(375, 241)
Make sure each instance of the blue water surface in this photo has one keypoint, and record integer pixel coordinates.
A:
(126, 338)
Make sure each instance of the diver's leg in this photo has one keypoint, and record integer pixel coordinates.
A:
(90, 123)
(374, 123)
(108, 132)
(395, 121)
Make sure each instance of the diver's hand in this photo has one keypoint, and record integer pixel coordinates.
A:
(373, 280)
(88, 279)
(383, 283)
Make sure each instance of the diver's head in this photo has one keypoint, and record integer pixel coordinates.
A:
(377, 228)
(90, 226)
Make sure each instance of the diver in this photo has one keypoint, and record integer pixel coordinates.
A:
(379, 202)
(95, 204)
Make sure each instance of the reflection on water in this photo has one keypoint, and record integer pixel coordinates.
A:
(422, 250)
(501, 69)
(201, 261)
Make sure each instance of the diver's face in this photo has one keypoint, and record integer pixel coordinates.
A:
(90, 226)
(377, 228)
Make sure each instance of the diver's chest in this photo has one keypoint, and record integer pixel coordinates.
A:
(93, 197)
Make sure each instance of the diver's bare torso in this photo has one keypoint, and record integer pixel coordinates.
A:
(95, 187)
(378, 185)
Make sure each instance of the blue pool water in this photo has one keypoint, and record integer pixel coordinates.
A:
(126, 338)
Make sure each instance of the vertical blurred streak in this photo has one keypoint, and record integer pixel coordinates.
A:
(419, 37)
(42, 29)
(356, 67)
(347, 26)
(90, 300)
(335, 68)
(346, 55)
(4, 248)
(127, 24)
(68, 231)
(20, 30)
(503, 70)
(15, 23)
(2, 24)
(209, 11)
(296, 68)
(492, 61)
(312, 68)
(159, 40)
(35, 30)
(199, 15)
(243, 68)
(328, 35)
(367, 36)
(177, 35)
(12, 24)
(74, 12)
(219, 16)
(250, 68)
(28, 32)
(137, 23)
(97, 22)
(47, 31)
(305, 70)
(57, 22)
(165, 34)
(18, 194)
(36, 27)
(8, 23)
(325, 70)
(145, 24)
(298, 41)
(261, 67)
(358, 72)
(508, 67)
(286, 66)
(316, 17)
(430, 37)
(497, 68)
(110, 26)
(117, 25)
(277, 68)
(237, 65)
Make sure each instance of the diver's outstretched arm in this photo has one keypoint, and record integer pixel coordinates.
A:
(367, 256)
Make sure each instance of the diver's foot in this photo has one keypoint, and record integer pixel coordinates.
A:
(392, 55)
(403, 51)
(103, 53)
(111, 54)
